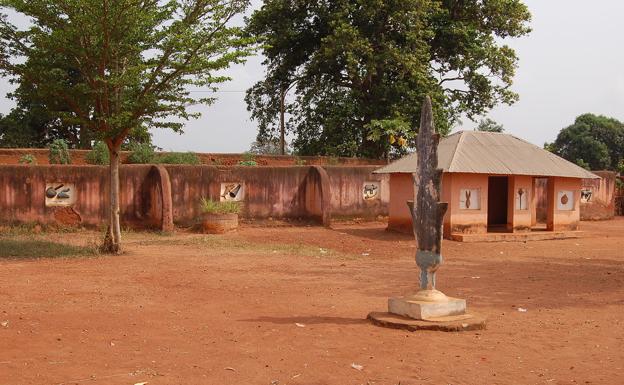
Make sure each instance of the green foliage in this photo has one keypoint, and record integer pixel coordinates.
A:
(595, 142)
(116, 66)
(178, 158)
(353, 63)
(27, 159)
(32, 248)
(209, 206)
(249, 159)
(267, 146)
(489, 125)
(59, 152)
(333, 160)
(98, 155)
(141, 153)
(397, 132)
(582, 163)
(36, 121)
(300, 162)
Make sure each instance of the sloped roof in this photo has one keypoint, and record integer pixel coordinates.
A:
(492, 153)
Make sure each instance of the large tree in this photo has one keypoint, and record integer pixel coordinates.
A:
(593, 141)
(357, 65)
(137, 58)
(40, 117)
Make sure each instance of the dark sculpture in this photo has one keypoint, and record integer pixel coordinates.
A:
(427, 211)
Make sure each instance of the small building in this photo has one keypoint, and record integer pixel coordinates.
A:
(490, 181)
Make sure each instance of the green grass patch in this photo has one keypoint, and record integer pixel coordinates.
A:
(216, 207)
(30, 229)
(31, 248)
(218, 243)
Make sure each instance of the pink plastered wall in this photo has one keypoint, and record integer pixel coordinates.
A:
(401, 190)
(557, 219)
(519, 215)
(601, 204)
(473, 220)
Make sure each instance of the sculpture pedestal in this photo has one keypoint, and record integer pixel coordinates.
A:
(460, 323)
(426, 310)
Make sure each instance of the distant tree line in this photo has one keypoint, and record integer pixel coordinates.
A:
(594, 142)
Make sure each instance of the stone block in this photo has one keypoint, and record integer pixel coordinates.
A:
(422, 310)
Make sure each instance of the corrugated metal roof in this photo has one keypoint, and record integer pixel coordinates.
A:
(492, 153)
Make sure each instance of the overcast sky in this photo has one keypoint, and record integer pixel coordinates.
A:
(572, 63)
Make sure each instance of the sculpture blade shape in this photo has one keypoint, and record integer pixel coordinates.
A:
(427, 211)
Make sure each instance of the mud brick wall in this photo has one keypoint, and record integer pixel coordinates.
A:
(347, 184)
(277, 192)
(601, 205)
(161, 196)
(22, 195)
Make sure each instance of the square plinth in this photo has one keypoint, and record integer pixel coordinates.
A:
(426, 310)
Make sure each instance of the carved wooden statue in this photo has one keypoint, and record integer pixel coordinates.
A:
(427, 210)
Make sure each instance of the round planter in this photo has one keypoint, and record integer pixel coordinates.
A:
(218, 223)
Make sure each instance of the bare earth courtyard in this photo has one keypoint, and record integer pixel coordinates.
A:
(287, 305)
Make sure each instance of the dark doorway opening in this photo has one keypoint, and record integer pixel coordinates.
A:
(540, 192)
(498, 192)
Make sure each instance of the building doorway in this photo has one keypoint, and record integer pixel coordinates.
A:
(498, 193)
(540, 192)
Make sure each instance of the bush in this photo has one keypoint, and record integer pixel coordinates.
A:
(98, 155)
(249, 159)
(333, 161)
(141, 153)
(59, 152)
(179, 158)
(27, 159)
(208, 206)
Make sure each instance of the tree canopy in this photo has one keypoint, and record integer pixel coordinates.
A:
(595, 142)
(489, 125)
(357, 66)
(40, 117)
(135, 60)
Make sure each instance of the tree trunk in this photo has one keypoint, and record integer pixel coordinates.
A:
(112, 239)
(282, 123)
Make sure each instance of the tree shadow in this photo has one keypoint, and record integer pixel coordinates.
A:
(377, 234)
(308, 320)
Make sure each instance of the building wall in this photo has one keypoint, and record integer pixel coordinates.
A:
(22, 195)
(601, 205)
(474, 220)
(401, 191)
(347, 185)
(455, 219)
(520, 207)
(158, 196)
(558, 219)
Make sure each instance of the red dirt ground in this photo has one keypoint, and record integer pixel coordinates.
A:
(193, 309)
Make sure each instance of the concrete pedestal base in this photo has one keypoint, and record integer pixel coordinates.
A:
(459, 323)
(426, 310)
